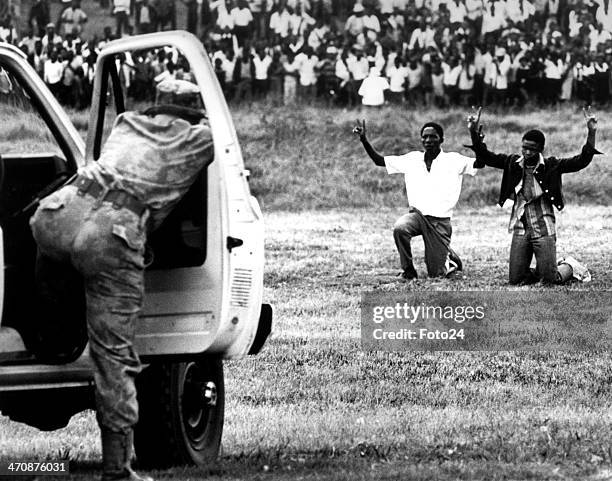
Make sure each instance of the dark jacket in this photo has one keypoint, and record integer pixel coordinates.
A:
(548, 176)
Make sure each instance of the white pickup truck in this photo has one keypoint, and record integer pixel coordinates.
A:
(203, 290)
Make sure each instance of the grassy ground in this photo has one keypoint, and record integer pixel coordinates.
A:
(313, 405)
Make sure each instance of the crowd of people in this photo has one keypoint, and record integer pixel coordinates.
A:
(346, 52)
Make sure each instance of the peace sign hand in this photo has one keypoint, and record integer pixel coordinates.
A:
(473, 122)
(590, 118)
(473, 119)
(360, 129)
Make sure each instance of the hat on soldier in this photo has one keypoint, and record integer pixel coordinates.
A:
(178, 92)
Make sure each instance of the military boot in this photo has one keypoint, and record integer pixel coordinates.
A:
(116, 457)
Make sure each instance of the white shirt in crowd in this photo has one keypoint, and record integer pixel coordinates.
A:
(373, 88)
(466, 77)
(53, 71)
(121, 6)
(451, 74)
(422, 38)
(306, 68)
(224, 19)
(342, 71)
(372, 24)
(553, 70)
(261, 66)
(494, 16)
(580, 71)
(496, 74)
(604, 17)
(385, 6)
(457, 12)
(435, 192)
(359, 68)
(474, 9)
(279, 23)
(414, 76)
(397, 78)
(241, 16)
(598, 38)
(514, 13)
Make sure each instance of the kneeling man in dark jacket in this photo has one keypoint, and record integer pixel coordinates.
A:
(533, 182)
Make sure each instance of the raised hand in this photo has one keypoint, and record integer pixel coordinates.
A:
(590, 118)
(474, 125)
(473, 120)
(360, 129)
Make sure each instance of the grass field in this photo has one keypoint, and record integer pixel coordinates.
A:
(314, 405)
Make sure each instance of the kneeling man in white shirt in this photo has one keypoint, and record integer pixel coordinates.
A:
(433, 184)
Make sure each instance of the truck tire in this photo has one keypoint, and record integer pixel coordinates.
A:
(181, 413)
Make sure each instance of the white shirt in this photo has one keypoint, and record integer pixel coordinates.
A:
(451, 74)
(121, 6)
(553, 70)
(359, 68)
(435, 192)
(397, 77)
(603, 17)
(385, 6)
(241, 16)
(372, 90)
(457, 13)
(513, 10)
(306, 68)
(494, 17)
(466, 77)
(414, 76)
(597, 38)
(261, 66)
(496, 75)
(53, 71)
(279, 23)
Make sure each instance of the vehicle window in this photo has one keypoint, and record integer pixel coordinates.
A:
(160, 81)
(146, 78)
(23, 130)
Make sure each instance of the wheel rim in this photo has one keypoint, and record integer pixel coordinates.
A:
(199, 399)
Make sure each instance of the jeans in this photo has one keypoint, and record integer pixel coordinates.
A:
(106, 246)
(436, 246)
(523, 248)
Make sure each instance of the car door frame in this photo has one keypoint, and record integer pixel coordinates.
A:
(199, 309)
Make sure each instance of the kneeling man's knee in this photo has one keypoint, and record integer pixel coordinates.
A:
(407, 225)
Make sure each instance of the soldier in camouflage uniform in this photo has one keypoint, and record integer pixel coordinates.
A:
(99, 223)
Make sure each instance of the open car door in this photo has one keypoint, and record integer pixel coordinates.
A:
(204, 286)
(39, 149)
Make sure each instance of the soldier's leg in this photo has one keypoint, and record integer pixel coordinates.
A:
(521, 253)
(109, 252)
(59, 334)
(405, 228)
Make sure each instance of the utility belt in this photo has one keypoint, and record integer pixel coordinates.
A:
(118, 198)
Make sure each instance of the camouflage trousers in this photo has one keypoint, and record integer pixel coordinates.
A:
(106, 246)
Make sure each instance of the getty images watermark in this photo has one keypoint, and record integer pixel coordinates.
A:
(486, 320)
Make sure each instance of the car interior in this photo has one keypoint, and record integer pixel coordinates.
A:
(55, 328)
